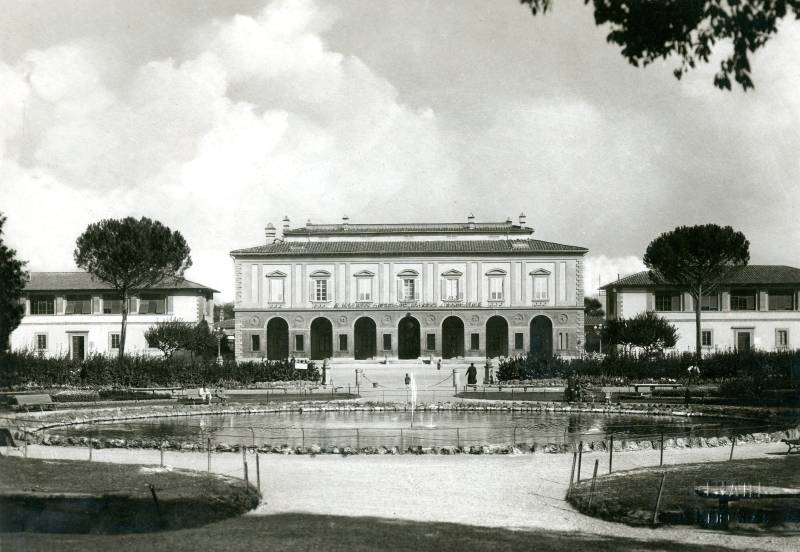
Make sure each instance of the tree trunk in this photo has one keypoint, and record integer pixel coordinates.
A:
(698, 329)
(124, 329)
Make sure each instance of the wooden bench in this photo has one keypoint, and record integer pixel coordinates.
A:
(793, 444)
(654, 386)
(195, 396)
(734, 492)
(25, 402)
(154, 390)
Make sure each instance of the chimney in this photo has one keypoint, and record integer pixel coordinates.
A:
(286, 223)
(269, 232)
(345, 222)
(308, 222)
(471, 221)
(522, 219)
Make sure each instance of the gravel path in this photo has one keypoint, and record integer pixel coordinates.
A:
(518, 492)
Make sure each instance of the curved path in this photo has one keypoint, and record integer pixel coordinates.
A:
(518, 492)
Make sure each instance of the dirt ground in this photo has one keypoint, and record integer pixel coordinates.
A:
(516, 492)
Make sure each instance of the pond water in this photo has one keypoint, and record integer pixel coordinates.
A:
(429, 428)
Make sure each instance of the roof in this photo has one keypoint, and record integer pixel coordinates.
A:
(83, 281)
(332, 248)
(410, 228)
(745, 275)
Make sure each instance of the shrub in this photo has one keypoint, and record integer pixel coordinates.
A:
(75, 395)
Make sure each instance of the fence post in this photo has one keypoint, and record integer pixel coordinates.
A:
(401, 440)
(303, 437)
(161, 448)
(258, 472)
(661, 448)
(208, 453)
(514, 438)
(733, 445)
(611, 453)
(458, 437)
(358, 440)
(658, 500)
(580, 459)
(594, 482)
(155, 500)
(244, 464)
(572, 473)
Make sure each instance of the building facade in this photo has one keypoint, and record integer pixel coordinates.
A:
(72, 313)
(756, 306)
(407, 291)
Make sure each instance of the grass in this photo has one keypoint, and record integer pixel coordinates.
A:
(302, 532)
(119, 493)
(630, 497)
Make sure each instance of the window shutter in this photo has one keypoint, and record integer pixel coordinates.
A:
(443, 295)
(59, 305)
(399, 291)
(143, 306)
(651, 301)
(311, 290)
(170, 305)
(95, 305)
(416, 290)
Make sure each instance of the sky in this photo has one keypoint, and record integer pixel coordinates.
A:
(218, 117)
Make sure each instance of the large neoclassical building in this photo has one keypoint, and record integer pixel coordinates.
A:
(363, 291)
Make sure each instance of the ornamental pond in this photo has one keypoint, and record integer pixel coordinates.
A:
(355, 428)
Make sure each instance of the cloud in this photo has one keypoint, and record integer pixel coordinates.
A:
(260, 118)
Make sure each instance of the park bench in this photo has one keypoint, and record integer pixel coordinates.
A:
(793, 444)
(25, 402)
(154, 390)
(195, 396)
(654, 386)
(734, 492)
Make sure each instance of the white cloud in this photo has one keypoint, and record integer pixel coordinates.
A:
(261, 119)
(599, 270)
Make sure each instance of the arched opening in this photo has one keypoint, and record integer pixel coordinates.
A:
(452, 337)
(277, 339)
(496, 337)
(321, 339)
(408, 337)
(365, 342)
(542, 336)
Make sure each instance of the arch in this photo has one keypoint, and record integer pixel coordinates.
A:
(365, 338)
(408, 273)
(408, 336)
(542, 336)
(321, 338)
(277, 339)
(452, 337)
(496, 337)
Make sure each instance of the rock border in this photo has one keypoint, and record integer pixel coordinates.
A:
(37, 431)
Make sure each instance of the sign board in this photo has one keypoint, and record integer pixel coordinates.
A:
(301, 364)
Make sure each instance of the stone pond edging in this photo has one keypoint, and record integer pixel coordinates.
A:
(37, 427)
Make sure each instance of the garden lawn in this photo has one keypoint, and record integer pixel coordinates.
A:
(630, 497)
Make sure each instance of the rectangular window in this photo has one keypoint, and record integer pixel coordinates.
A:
(781, 300)
(743, 300)
(474, 342)
(563, 340)
(706, 338)
(43, 304)
(364, 289)
(320, 290)
(709, 302)
(496, 289)
(782, 339)
(451, 289)
(152, 304)
(431, 342)
(276, 290)
(409, 289)
(79, 304)
(112, 305)
(41, 342)
(518, 338)
(342, 342)
(387, 342)
(540, 286)
(668, 302)
(114, 341)
(255, 343)
(299, 344)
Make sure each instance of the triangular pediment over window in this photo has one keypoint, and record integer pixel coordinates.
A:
(496, 272)
(364, 274)
(276, 274)
(408, 273)
(452, 273)
(320, 274)
(540, 272)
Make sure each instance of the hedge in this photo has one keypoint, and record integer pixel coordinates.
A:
(768, 368)
(25, 369)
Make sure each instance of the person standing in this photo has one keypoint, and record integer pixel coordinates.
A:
(472, 374)
(408, 379)
(439, 364)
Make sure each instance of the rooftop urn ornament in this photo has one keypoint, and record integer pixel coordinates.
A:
(522, 219)
(471, 221)
(345, 222)
(286, 225)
